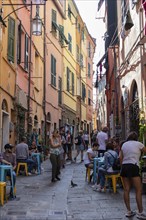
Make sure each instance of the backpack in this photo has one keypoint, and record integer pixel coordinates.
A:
(78, 140)
(116, 165)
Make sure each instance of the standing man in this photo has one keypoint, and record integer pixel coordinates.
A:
(102, 139)
(22, 155)
(80, 146)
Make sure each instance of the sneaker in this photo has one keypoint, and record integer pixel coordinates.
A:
(100, 190)
(141, 215)
(96, 186)
(130, 214)
(57, 178)
(29, 174)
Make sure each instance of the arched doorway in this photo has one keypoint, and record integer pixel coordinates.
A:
(134, 110)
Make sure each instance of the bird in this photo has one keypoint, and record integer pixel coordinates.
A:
(73, 184)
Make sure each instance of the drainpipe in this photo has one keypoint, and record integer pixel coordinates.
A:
(44, 83)
(29, 74)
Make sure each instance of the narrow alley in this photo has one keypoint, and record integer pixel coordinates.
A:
(39, 199)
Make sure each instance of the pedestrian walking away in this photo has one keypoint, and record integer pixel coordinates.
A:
(80, 146)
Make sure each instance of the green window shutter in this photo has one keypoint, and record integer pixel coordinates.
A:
(60, 91)
(68, 71)
(53, 71)
(26, 53)
(19, 45)
(69, 12)
(70, 43)
(61, 35)
(89, 70)
(73, 86)
(11, 39)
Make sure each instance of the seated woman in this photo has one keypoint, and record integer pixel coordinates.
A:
(90, 154)
(8, 157)
(33, 148)
(109, 157)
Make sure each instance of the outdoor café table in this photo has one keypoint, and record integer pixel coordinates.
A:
(38, 157)
(3, 169)
(99, 161)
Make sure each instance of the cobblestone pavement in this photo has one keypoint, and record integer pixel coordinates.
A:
(39, 199)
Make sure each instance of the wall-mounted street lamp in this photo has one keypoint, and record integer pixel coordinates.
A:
(36, 21)
(37, 24)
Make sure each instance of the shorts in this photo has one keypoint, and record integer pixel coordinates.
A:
(129, 170)
(80, 147)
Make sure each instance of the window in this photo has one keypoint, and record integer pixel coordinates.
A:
(70, 43)
(54, 24)
(77, 53)
(53, 70)
(73, 86)
(89, 50)
(19, 45)
(83, 92)
(79, 27)
(70, 84)
(68, 79)
(11, 39)
(82, 35)
(69, 12)
(60, 91)
(26, 53)
(89, 97)
(81, 60)
(89, 70)
(61, 35)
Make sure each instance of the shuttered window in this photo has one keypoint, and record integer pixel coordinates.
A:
(73, 86)
(70, 43)
(19, 44)
(11, 39)
(53, 70)
(67, 79)
(60, 91)
(26, 52)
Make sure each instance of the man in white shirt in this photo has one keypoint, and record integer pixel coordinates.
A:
(102, 139)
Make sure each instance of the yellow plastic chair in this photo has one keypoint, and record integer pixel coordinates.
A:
(88, 171)
(25, 167)
(114, 178)
(8, 178)
(3, 195)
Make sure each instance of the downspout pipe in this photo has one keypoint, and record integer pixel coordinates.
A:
(44, 82)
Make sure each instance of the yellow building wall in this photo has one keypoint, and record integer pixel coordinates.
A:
(69, 57)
